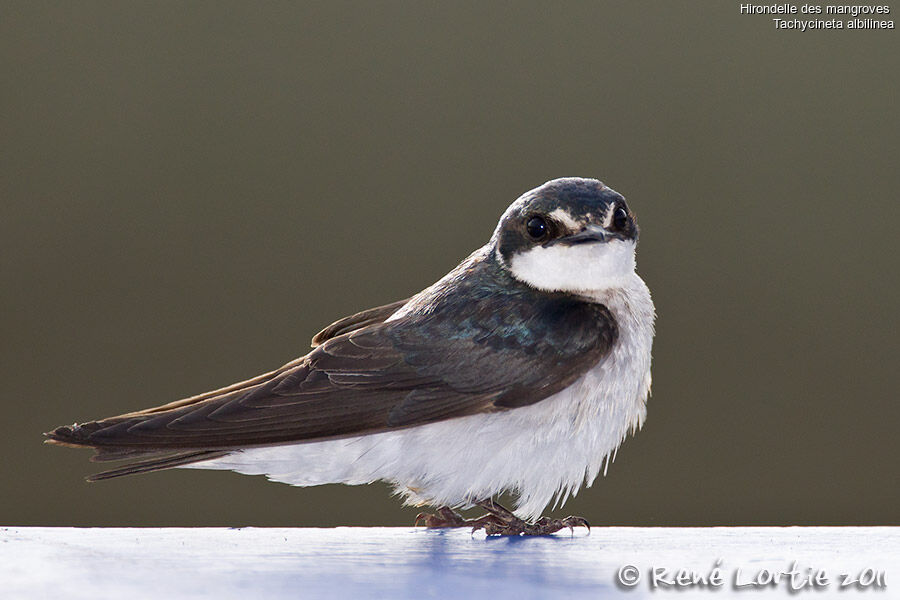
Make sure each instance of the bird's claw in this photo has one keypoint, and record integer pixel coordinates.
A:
(505, 522)
(543, 526)
(553, 525)
(499, 521)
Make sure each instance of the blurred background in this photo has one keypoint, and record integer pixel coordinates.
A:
(189, 191)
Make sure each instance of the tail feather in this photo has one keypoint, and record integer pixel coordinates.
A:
(158, 463)
(78, 436)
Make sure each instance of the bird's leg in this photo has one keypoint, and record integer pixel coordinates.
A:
(507, 523)
(447, 517)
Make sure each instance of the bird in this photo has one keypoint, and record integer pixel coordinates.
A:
(521, 371)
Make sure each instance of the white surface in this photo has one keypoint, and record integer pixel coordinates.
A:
(405, 562)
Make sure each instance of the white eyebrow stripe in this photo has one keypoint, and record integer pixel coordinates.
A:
(607, 220)
(565, 218)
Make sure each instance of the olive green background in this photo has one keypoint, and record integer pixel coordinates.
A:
(190, 190)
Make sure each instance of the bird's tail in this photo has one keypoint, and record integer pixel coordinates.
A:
(144, 460)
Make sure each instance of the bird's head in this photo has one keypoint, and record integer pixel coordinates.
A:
(569, 235)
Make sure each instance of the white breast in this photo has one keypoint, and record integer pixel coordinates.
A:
(539, 452)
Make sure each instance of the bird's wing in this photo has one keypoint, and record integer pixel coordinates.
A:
(414, 370)
(361, 319)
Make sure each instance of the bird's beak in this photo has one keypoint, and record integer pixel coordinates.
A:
(589, 235)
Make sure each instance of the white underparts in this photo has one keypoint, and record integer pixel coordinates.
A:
(580, 268)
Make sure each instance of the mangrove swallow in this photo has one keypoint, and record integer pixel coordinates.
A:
(522, 370)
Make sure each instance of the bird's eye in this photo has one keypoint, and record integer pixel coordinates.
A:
(537, 227)
(620, 219)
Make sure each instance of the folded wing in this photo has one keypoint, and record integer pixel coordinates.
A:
(369, 376)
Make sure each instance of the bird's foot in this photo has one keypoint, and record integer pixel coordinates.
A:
(506, 523)
(447, 517)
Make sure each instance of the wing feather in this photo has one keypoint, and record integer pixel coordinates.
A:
(480, 352)
(357, 321)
